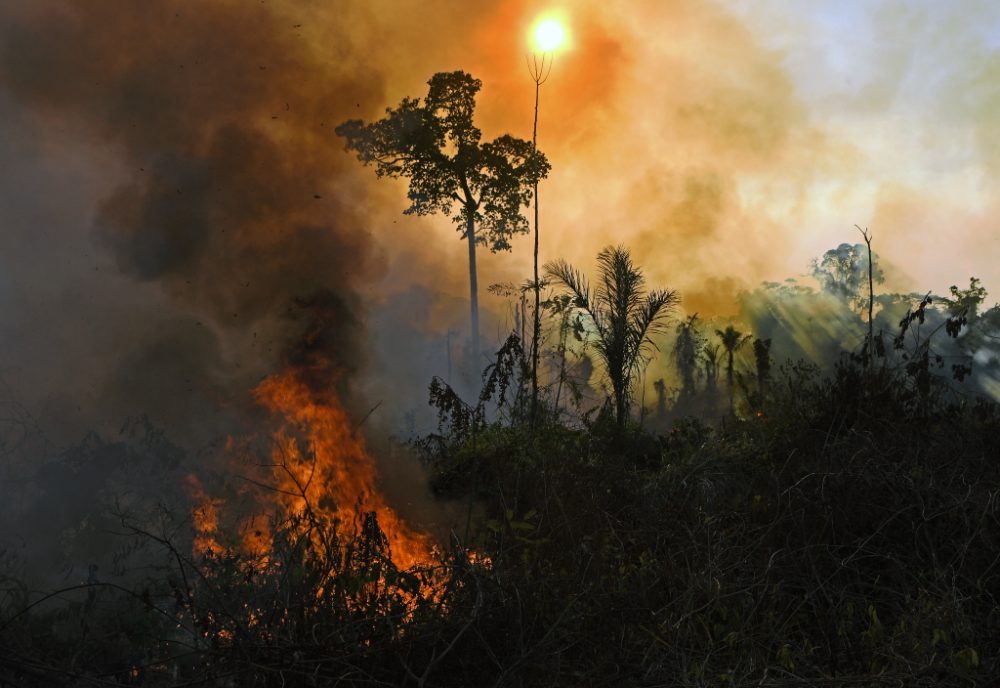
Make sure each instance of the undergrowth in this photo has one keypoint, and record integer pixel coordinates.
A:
(847, 534)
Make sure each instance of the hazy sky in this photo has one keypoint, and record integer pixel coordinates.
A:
(725, 142)
(731, 142)
(914, 87)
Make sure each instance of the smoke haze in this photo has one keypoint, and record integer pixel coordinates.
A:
(178, 217)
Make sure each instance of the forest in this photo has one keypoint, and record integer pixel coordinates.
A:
(834, 527)
(618, 491)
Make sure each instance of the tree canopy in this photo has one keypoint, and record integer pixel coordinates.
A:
(843, 271)
(436, 145)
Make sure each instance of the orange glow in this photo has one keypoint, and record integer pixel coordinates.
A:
(549, 34)
(318, 456)
(205, 517)
(317, 460)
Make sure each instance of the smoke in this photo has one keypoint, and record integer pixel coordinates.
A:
(179, 219)
(227, 207)
(726, 143)
(181, 224)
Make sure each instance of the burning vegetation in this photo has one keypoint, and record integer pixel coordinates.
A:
(317, 472)
(321, 465)
(836, 528)
(811, 499)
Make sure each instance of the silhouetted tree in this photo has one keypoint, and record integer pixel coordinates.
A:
(841, 271)
(762, 357)
(732, 341)
(623, 316)
(966, 301)
(436, 145)
(977, 329)
(870, 346)
(661, 398)
(687, 346)
(710, 362)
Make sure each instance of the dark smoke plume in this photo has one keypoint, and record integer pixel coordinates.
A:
(229, 201)
(208, 235)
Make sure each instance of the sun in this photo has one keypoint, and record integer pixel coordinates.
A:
(549, 34)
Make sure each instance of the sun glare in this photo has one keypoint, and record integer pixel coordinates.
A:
(549, 35)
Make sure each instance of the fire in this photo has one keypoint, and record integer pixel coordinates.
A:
(317, 461)
(205, 516)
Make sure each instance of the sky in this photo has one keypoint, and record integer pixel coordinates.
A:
(170, 180)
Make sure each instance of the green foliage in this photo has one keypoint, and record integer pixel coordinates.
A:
(840, 540)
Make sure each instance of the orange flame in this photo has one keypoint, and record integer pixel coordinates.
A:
(205, 516)
(333, 471)
(317, 460)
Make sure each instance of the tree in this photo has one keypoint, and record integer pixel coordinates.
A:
(732, 341)
(843, 270)
(623, 316)
(710, 361)
(661, 398)
(966, 301)
(436, 145)
(762, 357)
(963, 309)
(687, 347)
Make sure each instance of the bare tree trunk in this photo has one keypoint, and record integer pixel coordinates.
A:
(871, 299)
(448, 345)
(536, 332)
(470, 233)
(563, 331)
(622, 410)
(729, 379)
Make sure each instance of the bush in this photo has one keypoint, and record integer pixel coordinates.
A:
(846, 538)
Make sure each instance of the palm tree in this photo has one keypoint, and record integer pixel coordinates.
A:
(710, 360)
(624, 317)
(732, 340)
(762, 356)
(687, 346)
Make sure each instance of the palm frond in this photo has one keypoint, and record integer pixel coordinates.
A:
(622, 285)
(648, 321)
(579, 287)
(624, 315)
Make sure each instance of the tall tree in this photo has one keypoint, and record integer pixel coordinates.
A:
(623, 315)
(687, 347)
(762, 357)
(732, 341)
(710, 361)
(436, 145)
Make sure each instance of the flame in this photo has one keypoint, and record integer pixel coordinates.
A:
(205, 516)
(321, 460)
(317, 461)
